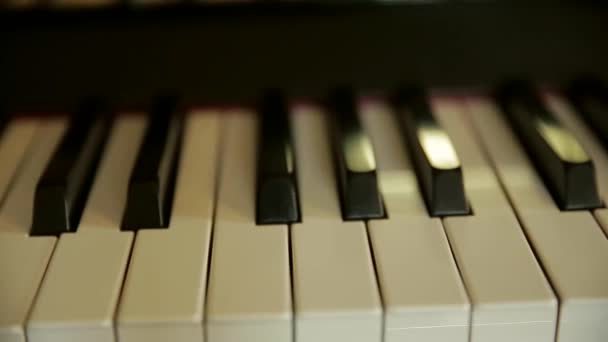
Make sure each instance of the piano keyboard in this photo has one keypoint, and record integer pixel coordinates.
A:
(415, 216)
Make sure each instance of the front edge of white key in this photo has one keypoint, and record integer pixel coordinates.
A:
(336, 296)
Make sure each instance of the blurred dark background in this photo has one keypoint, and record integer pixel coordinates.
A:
(54, 53)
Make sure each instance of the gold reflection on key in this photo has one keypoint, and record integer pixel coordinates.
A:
(289, 157)
(562, 142)
(358, 152)
(438, 148)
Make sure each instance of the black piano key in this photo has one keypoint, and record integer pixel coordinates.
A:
(277, 193)
(354, 158)
(590, 98)
(152, 182)
(560, 159)
(432, 153)
(62, 190)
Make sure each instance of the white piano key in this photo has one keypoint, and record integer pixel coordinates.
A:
(249, 288)
(249, 294)
(525, 188)
(512, 300)
(316, 177)
(16, 138)
(423, 296)
(491, 241)
(106, 203)
(15, 251)
(23, 259)
(80, 291)
(335, 289)
(236, 201)
(195, 186)
(574, 253)
(164, 292)
(569, 245)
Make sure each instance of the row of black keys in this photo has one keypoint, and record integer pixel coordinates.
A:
(62, 191)
(570, 179)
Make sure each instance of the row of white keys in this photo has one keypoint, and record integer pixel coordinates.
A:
(162, 296)
(164, 292)
(79, 293)
(249, 287)
(23, 259)
(336, 295)
(496, 314)
(568, 116)
(490, 248)
(424, 297)
(570, 246)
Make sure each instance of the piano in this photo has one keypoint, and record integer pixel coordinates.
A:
(304, 172)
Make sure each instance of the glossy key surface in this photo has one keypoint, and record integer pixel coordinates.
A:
(432, 152)
(560, 159)
(277, 192)
(355, 162)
